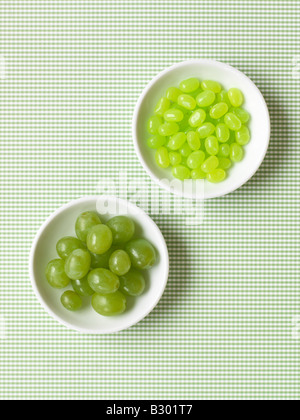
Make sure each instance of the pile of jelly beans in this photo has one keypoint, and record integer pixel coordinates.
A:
(105, 262)
(199, 129)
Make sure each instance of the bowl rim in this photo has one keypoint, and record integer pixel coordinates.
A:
(134, 128)
(137, 210)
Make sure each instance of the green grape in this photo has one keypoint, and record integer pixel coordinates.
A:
(174, 115)
(193, 140)
(99, 239)
(210, 164)
(82, 287)
(181, 172)
(71, 301)
(162, 106)
(68, 244)
(109, 305)
(224, 150)
(189, 85)
(198, 174)
(101, 260)
(162, 157)
(156, 141)
(236, 97)
(205, 98)
(55, 274)
(222, 133)
(132, 283)
(218, 110)
(84, 223)
(232, 121)
(103, 281)
(205, 130)
(217, 175)
(195, 159)
(212, 145)
(122, 228)
(242, 115)
(197, 118)
(168, 128)
(236, 152)
(141, 253)
(242, 136)
(185, 150)
(186, 101)
(211, 85)
(176, 141)
(77, 264)
(224, 163)
(175, 158)
(173, 93)
(119, 262)
(153, 123)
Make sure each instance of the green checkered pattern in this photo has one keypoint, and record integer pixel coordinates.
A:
(226, 327)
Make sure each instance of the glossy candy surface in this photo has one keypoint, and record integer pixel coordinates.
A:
(199, 116)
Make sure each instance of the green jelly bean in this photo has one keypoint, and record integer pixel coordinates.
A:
(197, 118)
(210, 164)
(242, 136)
(195, 159)
(236, 97)
(181, 172)
(211, 85)
(173, 93)
(168, 128)
(156, 141)
(196, 92)
(243, 115)
(177, 141)
(153, 123)
(223, 97)
(212, 145)
(193, 140)
(222, 133)
(189, 85)
(224, 163)
(205, 98)
(175, 158)
(236, 152)
(186, 101)
(185, 150)
(174, 115)
(205, 130)
(217, 175)
(224, 150)
(162, 106)
(232, 121)
(198, 174)
(162, 157)
(218, 110)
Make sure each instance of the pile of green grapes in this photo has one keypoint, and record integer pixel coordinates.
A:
(104, 262)
(199, 130)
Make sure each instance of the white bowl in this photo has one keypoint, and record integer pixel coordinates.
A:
(60, 224)
(259, 126)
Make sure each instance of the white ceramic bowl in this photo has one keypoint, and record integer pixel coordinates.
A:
(60, 224)
(259, 126)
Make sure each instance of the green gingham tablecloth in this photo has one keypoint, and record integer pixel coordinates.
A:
(228, 325)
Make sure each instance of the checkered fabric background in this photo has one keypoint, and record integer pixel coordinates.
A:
(228, 325)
